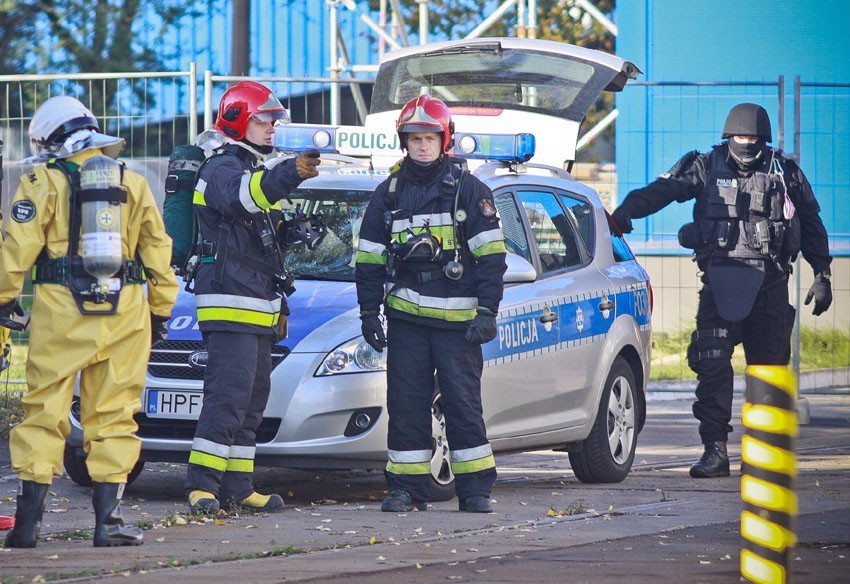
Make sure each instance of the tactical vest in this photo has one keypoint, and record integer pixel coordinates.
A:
(745, 217)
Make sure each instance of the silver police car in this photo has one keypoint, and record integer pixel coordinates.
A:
(569, 367)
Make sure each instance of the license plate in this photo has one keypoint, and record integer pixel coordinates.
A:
(164, 403)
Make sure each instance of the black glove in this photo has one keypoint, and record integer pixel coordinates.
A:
(482, 329)
(622, 220)
(821, 291)
(373, 331)
(6, 312)
(159, 328)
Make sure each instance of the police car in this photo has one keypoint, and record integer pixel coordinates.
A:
(567, 370)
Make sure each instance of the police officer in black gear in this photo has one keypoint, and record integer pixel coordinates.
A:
(754, 211)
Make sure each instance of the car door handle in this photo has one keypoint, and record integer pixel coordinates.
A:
(547, 318)
(606, 305)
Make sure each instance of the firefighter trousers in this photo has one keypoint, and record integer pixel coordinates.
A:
(414, 353)
(237, 382)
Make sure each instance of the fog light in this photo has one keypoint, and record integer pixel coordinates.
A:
(361, 420)
(75, 408)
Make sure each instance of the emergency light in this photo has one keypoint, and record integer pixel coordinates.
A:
(504, 147)
(302, 137)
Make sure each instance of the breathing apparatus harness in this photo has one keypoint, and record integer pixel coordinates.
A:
(68, 270)
(423, 246)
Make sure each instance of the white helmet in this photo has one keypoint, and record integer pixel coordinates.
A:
(62, 126)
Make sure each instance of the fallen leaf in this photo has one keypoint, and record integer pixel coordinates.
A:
(53, 557)
(160, 539)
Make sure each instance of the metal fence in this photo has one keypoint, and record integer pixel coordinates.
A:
(156, 111)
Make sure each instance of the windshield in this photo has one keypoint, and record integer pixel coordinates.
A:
(342, 212)
(487, 76)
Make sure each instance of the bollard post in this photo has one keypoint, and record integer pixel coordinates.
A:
(768, 471)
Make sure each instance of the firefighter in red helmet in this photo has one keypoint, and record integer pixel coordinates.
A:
(240, 292)
(431, 230)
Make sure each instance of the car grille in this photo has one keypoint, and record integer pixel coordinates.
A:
(185, 429)
(170, 359)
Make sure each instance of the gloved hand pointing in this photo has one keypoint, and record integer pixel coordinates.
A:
(306, 163)
(482, 329)
(373, 331)
(821, 291)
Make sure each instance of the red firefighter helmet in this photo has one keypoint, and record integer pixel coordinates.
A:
(244, 100)
(426, 114)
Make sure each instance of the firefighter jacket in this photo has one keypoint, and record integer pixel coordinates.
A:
(741, 214)
(419, 289)
(238, 280)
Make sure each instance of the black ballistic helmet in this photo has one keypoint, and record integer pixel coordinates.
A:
(748, 119)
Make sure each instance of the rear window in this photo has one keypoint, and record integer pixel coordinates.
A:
(487, 76)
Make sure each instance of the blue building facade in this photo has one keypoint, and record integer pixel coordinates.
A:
(701, 58)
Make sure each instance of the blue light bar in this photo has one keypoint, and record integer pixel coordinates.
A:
(504, 147)
(301, 137)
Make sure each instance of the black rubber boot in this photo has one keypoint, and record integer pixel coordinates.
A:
(402, 502)
(713, 463)
(31, 498)
(476, 504)
(109, 530)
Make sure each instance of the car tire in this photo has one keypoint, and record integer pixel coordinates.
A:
(442, 477)
(606, 455)
(75, 467)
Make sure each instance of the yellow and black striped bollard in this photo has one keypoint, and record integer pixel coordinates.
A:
(768, 472)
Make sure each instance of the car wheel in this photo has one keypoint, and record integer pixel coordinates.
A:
(607, 454)
(442, 477)
(75, 466)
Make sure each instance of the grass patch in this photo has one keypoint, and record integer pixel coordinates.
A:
(12, 388)
(819, 349)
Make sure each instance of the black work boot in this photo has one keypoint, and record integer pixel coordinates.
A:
(713, 463)
(31, 498)
(476, 504)
(109, 530)
(401, 502)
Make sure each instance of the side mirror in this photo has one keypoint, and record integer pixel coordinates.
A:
(519, 270)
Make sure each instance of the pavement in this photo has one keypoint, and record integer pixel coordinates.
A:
(659, 525)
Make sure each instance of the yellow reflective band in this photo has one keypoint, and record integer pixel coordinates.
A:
(759, 570)
(777, 375)
(238, 315)
(364, 257)
(409, 468)
(450, 315)
(763, 455)
(490, 249)
(240, 465)
(256, 191)
(768, 495)
(769, 419)
(766, 533)
(198, 199)
(470, 466)
(207, 460)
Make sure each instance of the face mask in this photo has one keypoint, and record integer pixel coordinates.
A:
(746, 155)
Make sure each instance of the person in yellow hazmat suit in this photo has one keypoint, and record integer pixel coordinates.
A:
(89, 232)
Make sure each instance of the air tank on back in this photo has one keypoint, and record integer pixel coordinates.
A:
(100, 178)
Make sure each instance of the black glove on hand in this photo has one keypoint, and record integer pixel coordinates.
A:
(159, 328)
(821, 291)
(6, 312)
(306, 163)
(482, 329)
(622, 220)
(373, 331)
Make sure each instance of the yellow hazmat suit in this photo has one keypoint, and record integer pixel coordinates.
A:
(109, 351)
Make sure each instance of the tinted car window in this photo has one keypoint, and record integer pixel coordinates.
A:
(622, 253)
(553, 231)
(582, 213)
(515, 238)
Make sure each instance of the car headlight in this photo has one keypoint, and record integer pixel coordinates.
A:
(354, 356)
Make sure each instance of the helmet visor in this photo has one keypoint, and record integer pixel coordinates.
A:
(277, 116)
